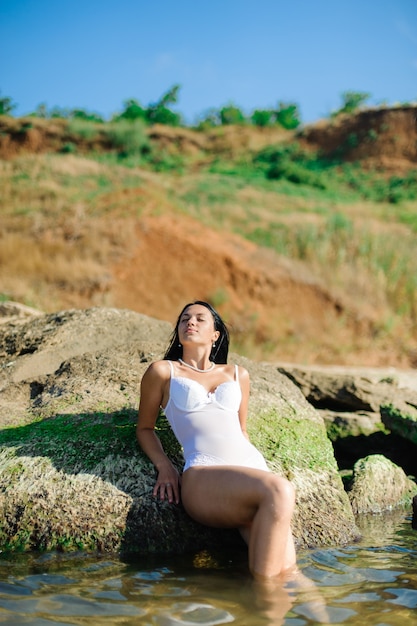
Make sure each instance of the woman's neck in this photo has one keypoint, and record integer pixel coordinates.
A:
(197, 369)
(198, 362)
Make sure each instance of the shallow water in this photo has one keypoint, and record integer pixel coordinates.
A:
(373, 582)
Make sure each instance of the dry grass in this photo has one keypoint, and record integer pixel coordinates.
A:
(67, 221)
(351, 246)
(54, 237)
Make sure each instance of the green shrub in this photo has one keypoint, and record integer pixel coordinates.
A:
(129, 138)
(6, 105)
(395, 189)
(160, 113)
(23, 129)
(271, 154)
(295, 173)
(132, 111)
(352, 141)
(156, 113)
(351, 101)
(163, 115)
(288, 115)
(82, 114)
(402, 187)
(85, 129)
(69, 148)
(262, 118)
(289, 162)
(231, 114)
(209, 119)
(163, 161)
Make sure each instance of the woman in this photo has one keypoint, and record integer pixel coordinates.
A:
(225, 482)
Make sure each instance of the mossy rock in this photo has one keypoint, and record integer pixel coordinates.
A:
(401, 419)
(379, 485)
(72, 474)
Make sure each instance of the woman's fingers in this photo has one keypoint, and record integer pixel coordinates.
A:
(167, 491)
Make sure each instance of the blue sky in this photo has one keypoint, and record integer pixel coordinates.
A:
(96, 54)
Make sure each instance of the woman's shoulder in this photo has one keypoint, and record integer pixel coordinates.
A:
(159, 369)
(231, 368)
(243, 372)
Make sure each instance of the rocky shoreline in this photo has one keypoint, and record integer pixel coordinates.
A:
(72, 476)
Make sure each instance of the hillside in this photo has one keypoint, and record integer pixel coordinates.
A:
(313, 264)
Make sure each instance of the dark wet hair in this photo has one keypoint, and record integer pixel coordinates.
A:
(221, 349)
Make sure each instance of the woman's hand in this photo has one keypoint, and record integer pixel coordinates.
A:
(167, 485)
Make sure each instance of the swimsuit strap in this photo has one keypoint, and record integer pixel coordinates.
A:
(172, 368)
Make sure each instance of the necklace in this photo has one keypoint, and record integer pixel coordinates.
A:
(197, 369)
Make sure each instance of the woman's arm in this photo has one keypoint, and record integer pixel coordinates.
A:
(244, 404)
(153, 386)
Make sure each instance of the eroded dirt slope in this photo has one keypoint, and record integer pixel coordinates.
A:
(385, 138)
(274, 307)
(157, 262)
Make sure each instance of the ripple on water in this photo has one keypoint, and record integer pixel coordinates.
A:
(372, 582)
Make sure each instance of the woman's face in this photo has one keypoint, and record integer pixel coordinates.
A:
(196, 326)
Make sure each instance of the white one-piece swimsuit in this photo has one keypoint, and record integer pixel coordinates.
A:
(207, 425)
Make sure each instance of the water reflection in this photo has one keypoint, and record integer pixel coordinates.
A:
(372, 582)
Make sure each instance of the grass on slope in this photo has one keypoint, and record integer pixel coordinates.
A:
(64, 216)
(344, 222)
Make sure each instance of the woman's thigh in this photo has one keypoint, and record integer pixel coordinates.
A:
(224, 496)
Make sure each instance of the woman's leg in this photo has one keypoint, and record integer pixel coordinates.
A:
(237, 497)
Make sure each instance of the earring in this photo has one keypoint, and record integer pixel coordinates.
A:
(214, 344)
(180, 345)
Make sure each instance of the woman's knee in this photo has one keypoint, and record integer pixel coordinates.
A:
(280, 491)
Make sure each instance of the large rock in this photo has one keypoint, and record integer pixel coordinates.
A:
(75, 360)
(71, 471)
(379, 485)
(46, 508)
(358, 401)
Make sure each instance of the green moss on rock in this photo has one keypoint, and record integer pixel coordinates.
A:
(378, 485)
(401, 420)
(291, 442)
(42, 508)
